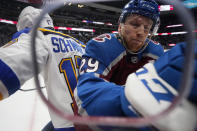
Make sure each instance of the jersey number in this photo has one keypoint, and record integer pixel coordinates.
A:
(88, 65)
(156, 87)
(68, 68)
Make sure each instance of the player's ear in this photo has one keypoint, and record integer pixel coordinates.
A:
(120, 28)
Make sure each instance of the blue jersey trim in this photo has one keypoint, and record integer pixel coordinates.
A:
(17, 34)
(65, 129)
(46, 32)
(9, 78)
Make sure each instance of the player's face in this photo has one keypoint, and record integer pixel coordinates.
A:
(135, 30)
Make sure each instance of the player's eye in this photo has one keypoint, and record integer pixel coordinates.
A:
(134, 24)
(147, 28)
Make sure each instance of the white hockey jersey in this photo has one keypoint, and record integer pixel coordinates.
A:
(58, 56)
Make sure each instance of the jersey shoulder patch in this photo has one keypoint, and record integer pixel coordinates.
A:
(104, 48)
(102, 38)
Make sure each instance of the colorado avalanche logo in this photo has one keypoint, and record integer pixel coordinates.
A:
(102, 38)
(134, 59)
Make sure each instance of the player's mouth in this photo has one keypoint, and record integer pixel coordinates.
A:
(136, 41)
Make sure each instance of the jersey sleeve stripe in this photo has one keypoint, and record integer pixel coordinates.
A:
(8, 78)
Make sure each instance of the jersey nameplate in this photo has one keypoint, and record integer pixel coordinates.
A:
(64, 45)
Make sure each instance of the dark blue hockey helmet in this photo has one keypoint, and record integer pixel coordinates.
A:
(147, 8)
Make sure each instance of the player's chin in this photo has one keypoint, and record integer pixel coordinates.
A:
(135, 46)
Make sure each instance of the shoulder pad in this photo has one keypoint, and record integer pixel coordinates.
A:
(154, 48)
(104, 48)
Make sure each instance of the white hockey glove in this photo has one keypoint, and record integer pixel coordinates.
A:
(149, 94)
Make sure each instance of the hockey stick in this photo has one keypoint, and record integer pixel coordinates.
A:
(136, 122)
(33, 89)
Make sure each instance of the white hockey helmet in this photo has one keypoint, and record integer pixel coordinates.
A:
(27, 17)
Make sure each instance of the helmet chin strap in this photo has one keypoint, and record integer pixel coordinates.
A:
(122, 40)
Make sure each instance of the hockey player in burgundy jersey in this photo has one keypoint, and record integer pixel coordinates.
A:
(59, 57)
(110, 58)
(118, 55)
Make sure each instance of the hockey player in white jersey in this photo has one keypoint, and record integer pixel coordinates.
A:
(59, 56)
